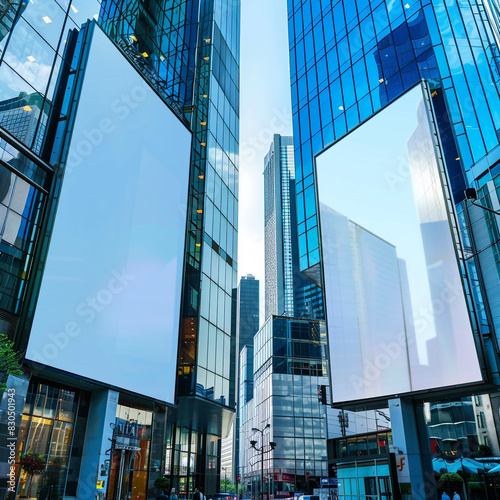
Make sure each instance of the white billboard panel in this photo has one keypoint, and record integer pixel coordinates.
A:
(109, 303)
(398, 320)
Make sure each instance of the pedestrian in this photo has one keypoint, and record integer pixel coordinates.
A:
(173, 495)
(456, 496)
(445, 496)
(162, 496)
(197, 494)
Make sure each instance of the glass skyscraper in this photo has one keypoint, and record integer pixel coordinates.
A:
(245, 324)
(247, 310)
(288, 367)
(280, 376)
(350, 59)
(187, 54)
(288, 291)
(192, 50)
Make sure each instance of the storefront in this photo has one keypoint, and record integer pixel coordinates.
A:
(128, 477)
(363, 467)
(368, 478)
(52, 428)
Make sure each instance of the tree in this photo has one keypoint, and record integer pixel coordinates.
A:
(450, 481)
(162, 484)
(32, 464)
(226, 486)
(10, 361)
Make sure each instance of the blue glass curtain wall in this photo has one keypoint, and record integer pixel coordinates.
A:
(35, 63)
(349, 59)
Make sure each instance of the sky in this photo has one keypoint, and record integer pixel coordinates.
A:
(265, 109)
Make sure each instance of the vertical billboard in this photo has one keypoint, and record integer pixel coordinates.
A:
(109, 303)
(398, 320)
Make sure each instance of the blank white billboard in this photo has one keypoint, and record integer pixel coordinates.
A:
(397, 317)
(109, 304)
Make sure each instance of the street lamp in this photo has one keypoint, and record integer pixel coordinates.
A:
(272, 445)
(471, 194)
(225, 478)
(343, 421)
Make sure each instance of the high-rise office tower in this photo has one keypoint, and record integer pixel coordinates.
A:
(288, 367)
(279, 378)
(118, 250)
(21, 116)
(247, 317)
(349, 61)
(245, 323)
(288, 291)
(247, 310)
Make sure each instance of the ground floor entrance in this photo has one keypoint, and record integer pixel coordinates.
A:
(366, 479)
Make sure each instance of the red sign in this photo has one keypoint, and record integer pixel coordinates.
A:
(434, 445)
(287, 478)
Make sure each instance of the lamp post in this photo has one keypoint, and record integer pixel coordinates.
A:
(225, 478)
(343, 421)
(471, 194)
(272, 445)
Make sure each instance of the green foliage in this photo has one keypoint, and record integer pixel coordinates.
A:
(10, 361)
(32, 463)
(226, 486)
(162, 483)
(451, 481)
(451, 477)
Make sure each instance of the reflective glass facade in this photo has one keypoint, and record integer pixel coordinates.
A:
(246, 324)
(349, 59)
(246, 376)
(370, 478)
(33, 38)
(188, 52)
(481, 236)
(462, 427)
(288, 292)
(288, 367)
(452, 427)
(160, 40)
(247, 310)
(53, 425)
(279, 183)
(213, 245)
